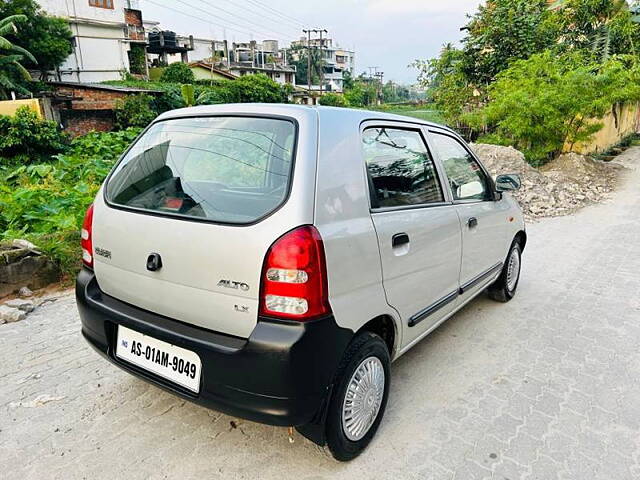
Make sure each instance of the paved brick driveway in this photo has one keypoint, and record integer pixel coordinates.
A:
(545, 387)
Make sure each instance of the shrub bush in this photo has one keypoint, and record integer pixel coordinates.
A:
(177, 73)
(24, 138)
(333, 100)
(547, 102)
(134, 111)
(45, 202)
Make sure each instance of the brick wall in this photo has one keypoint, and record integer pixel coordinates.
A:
(83, 108)
(133, 19)
(78, 123)
(83, 98)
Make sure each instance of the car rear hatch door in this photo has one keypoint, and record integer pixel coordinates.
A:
(188, 214)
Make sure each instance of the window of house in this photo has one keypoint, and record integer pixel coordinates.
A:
(400, 169)
(467, 179)
(101, 3)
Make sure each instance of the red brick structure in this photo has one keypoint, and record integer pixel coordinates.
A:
(135, 27)
(83, 107)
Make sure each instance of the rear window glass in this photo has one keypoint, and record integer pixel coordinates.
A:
(223, 169)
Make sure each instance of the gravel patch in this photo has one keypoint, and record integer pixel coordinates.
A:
(561, 187)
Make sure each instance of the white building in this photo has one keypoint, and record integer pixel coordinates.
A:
(336, 61)
(101, 36)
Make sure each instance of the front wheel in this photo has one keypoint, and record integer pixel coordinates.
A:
(504, 288)
(359, 398)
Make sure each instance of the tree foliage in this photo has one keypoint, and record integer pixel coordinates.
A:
(298, 57)
(333, 100)
(24, 138)
(503, 31)
(45, 202)
(449, 86)
(48, 38)
(13, 75)
(541, 104)
(531, 72)
(134, 111)
(603, 27)
(177, 72)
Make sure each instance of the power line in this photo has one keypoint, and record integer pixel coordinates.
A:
(278, 13)
(208, 22)
(235, 15)
(223, 19)
(265, 14)
(241, 30)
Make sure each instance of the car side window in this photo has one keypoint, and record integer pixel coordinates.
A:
(400, 169)
(467, 179)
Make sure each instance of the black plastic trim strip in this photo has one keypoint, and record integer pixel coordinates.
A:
(431, 309)
(474, 281)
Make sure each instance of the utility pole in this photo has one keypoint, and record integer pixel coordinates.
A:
(320, 31)
(379, 76)
(308, 32)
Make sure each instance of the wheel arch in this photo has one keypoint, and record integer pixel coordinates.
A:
(386, 327)
(521, 238)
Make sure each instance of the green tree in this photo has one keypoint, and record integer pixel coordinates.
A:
(25, 139)
(449, 85)
(347, 80)
(503, 31)
(298, 58)
(47, 38)
(256, 88)
(362, 93)
(12, 72)
(178, 72)
(547, 102)
(134, 111)
(604, 27)
(333, 100)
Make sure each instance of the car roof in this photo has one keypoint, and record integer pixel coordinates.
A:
(282, 109)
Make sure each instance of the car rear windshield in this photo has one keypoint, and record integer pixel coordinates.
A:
(222, 169)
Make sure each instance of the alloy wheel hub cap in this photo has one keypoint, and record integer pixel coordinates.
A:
(363, 398)
(513, 270)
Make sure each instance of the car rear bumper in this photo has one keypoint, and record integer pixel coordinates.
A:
(280, 375)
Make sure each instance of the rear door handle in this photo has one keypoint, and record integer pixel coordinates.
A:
(399, 239)
(472, 222)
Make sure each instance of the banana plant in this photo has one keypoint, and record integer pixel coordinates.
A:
(10, 57)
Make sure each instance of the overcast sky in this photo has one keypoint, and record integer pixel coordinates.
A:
(388, 34)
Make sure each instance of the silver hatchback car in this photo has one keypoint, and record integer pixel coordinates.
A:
(270, 261)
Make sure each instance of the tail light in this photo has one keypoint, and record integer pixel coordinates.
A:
(294, 277)
(86, 238)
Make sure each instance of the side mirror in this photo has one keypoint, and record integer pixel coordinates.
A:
(508, 182)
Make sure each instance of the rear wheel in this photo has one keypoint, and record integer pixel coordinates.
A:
(359, 397)
(504, 288)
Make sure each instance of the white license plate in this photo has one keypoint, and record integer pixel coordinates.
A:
(177, 364)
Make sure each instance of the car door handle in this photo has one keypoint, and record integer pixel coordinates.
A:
(399, 239)
(472, 222)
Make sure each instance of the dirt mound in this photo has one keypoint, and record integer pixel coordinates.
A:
(562, 186)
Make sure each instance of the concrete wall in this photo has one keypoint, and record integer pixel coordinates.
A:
(100, 51)
(9, 107)
(82, 9)
(620, 122)
(202, 73)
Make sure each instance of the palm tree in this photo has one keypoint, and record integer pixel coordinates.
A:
(10, 57)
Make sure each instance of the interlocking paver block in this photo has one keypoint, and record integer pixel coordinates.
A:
(543, 387)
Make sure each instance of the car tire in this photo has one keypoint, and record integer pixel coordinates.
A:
(504, 288)
(364, 364)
